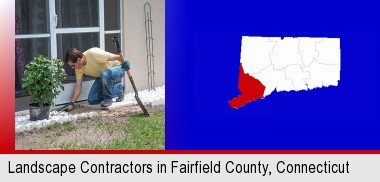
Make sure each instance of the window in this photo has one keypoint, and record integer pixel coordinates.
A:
(77, 13)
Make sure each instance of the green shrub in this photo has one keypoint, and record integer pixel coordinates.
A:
(43, 80)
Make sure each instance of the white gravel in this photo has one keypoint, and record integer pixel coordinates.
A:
(24, 124)
(153, 97)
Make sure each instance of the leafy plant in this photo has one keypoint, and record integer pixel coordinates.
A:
(43, 78)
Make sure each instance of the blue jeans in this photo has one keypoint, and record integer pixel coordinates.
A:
(104, 87)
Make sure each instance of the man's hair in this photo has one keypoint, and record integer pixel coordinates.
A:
(72, 55)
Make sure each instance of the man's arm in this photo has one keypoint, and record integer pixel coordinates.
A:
(113, 57)
(124, 63)
(77, 90)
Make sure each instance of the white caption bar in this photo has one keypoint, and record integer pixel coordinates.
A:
(190, 167)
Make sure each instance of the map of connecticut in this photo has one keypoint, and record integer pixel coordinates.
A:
(286, 64)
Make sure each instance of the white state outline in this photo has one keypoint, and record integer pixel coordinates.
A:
(302, 67)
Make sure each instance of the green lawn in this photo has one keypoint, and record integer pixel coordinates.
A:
(142, 133)
(135, 132)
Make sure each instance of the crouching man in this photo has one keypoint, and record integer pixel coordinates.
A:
(108, 69)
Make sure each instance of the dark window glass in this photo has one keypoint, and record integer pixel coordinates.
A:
(32, 17)
(112, 15)
(77, 13)
(109, 46)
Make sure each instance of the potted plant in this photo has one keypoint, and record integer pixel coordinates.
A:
(43, 78)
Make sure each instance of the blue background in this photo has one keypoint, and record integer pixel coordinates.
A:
(203, 40)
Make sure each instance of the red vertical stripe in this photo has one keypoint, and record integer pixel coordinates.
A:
(7, 76)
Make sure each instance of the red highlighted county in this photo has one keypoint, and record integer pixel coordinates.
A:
(251, 89)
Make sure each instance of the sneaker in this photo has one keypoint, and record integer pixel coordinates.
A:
(106, 103)
(121, 96)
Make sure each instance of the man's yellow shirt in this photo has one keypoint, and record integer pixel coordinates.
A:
(96, 63)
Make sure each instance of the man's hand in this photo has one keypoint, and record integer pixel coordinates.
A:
(126, 65)
(67, 107)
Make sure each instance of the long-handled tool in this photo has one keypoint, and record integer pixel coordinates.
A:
(116, 43)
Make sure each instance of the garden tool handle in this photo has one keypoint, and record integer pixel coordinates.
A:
(117, 45)
(122, 57)
(116, 42)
